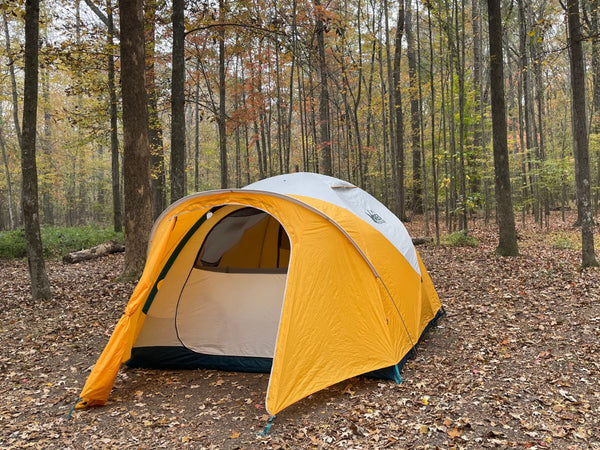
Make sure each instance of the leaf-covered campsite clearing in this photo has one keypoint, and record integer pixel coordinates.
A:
(514, 363)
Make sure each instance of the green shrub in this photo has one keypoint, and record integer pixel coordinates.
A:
(563, 243)
(57, 241)
(12, 244)
(460, 239)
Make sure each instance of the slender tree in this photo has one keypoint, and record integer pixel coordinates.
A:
(114, 133)
(415, 113)
(222, 118)
(325, 138)
(580, 138)
(136, 164)
(13, 79)
(12, 222)
(178, 103)
(40, 286)
(507, 245)
(157, 157)
(398, 115)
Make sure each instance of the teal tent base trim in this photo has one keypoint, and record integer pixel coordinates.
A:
(183, 358)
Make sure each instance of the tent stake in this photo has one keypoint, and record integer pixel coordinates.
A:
(73, 407)
(268, 427)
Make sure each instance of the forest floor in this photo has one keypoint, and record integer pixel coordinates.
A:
(514, 363)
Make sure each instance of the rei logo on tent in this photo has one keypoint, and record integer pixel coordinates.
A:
(374, 216)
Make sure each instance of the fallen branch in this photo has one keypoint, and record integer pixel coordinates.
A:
(422, 240)
(106, 248)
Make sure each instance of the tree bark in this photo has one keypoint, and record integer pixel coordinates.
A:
(325, 137)
(197, 129)
(13, 80)
(460, 72)
(507, 245)
(417, 188)
(580, 138)
(114, 134)
(46, 147)
(40, 286)
(477, 61)
(398, 115)
(595, 125)
(178, 103)
(527, 102)
(138, 193)
(433, 154)
(157, 157)
(222, 119)
(391, 105)
(11, 212)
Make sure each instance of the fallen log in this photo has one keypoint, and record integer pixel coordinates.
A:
(106, 248)
(422, 240)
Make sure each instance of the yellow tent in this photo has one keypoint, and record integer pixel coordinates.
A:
(304, 276)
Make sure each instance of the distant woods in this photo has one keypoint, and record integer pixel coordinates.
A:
(392, 96)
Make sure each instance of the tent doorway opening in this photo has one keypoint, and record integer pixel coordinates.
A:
(228, 308)
(231, 302)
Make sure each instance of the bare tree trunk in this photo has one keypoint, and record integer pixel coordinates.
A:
(444, 129)
(278, 100)
(423, 161)
(288, 146)
(81, 203)
(398, 115)
(136, 164)
(222, 115)
(527, 114)
(417, 190)
(40, 286)
(325, 138)
(303, 118)
(197, 129)
(371, 131)
(391, 105)
(541, 150)
(384, 130)
(460, 72)
(477, 60)
(13, 80)
(178, 103)
(507, 245)
(595, 126)
(114, 136)
(11, 211)
(359, 148)
(236, 105)
(47, 209)
(313, 123)
(580, 138)
(433, 155)
(452, 161)
(157, 157)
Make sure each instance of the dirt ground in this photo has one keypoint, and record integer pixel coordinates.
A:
(513, 364)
